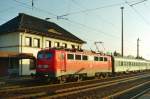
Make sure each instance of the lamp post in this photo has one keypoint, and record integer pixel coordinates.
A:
(122, 31)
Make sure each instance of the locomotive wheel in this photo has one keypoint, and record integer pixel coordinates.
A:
(62, 79)
(80, 78)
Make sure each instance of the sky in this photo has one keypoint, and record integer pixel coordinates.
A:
(92, 21)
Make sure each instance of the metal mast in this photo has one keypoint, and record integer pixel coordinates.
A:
(138, 48)
(122, 32)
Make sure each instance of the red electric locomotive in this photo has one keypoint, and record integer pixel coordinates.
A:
(64, 64)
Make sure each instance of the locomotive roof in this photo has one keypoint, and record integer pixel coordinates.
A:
(34, 25)
(88, 52)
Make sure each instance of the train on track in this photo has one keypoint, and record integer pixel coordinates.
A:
(63, 64)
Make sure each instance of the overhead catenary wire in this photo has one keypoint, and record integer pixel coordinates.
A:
(98, 16)
(55, 16)
(136, 11)
(94, 9)
(50, 13)
(61, 17)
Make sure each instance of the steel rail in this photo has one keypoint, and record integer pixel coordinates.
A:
(127, 90)
(80, 88)
(76, 90)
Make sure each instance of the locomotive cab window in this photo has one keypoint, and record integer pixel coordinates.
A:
(70, 56)
(44, 55)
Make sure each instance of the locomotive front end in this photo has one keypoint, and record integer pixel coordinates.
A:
(45, 64)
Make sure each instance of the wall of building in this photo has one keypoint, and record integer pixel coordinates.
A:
(16, 42)
(34, 50)
(9, 42)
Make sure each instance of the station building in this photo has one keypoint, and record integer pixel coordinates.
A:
(24, 36)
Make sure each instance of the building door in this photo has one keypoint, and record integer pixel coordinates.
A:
(27, 68)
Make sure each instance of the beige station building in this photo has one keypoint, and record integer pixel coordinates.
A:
(23, 36)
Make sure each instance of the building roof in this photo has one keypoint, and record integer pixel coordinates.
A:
(34, 25)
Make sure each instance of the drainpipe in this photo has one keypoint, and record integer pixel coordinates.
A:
(21, 53)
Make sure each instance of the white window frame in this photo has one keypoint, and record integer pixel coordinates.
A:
(36, 42)
(28, 41)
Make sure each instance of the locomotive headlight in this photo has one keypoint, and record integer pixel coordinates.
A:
(45, 66)
(39, 66)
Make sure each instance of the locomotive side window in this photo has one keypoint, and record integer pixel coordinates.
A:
(105, 59)
(70, 56)
(78, 57)
(100, 58)
(84, 57)
(95, 58)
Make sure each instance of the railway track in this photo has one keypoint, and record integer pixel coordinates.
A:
(71, 89)
(33, 83)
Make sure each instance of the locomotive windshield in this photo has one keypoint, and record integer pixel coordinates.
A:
(44, 55)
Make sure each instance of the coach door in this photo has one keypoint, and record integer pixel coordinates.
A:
(62, 61)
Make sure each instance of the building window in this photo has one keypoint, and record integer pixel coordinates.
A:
(48, 43)
(28, 41)
(36, 42)
(56, 44)
(78, 47)
(64, 45)
(73, 46)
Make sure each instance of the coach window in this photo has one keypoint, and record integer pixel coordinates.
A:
(105, 59)
(84, 57)
(28, 41)
(128, 64)
(36, 42)
(95, 58)
(134, 63)
(125, 63)
(78, 57)
(70, 56)
(121, 63)
(101, 59)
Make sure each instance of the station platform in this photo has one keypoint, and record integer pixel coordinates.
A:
(6, 80)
